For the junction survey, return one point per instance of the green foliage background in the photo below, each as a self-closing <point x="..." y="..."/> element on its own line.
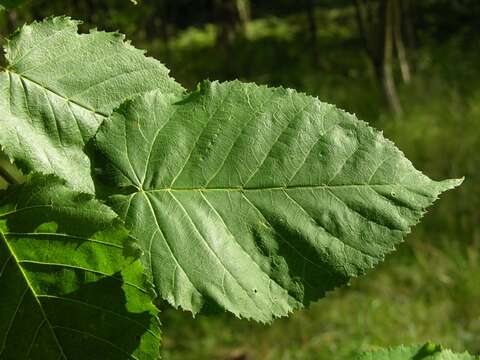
<point x="430" y="289"/>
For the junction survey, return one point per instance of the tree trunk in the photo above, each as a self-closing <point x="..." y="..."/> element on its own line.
<point x="362" y="25"/>
<point x="399" y="43"/>
<point x="408" y="22"/>
<point x="157" y="24"/>
<point x="12" y="22"/>
<point x="243" y="10"/>
<point x="7" y="177"/>
<point x="165" y="34"/>
<point x="228" y="21"/>
<point x="378" y="36"/>
<point x="312" y="29"/>
<point x="388" y="79"/>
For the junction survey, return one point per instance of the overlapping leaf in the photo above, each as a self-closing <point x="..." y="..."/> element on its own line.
<point x="428" y="351"/>
<point x="59" y="86"/>
<point x="259" y="200"/>
<point x="70" y="284"/>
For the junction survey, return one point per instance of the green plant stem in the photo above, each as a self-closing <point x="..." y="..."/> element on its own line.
<point x="9" y="178"/>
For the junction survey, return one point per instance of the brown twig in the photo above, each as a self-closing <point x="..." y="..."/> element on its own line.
<point x="9" y="178"/>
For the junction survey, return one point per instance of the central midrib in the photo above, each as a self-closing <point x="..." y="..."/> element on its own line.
<point x="269" y="188"/>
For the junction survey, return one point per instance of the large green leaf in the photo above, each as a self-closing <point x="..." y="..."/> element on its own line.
<point x="428" y="351"/>
<point x="59" y="86"/>
<point x="71" y="287"/>
<point x="259" y="200"/>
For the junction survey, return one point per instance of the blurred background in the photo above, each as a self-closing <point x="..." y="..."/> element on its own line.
<point x="409" y="68"/>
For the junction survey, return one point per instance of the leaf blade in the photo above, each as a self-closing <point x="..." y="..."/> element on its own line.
<point x="259" y="200"/>
<point x="60" y="85"/>
<point x="70" y="292"/>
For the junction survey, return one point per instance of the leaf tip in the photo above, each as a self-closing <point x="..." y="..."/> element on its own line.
<point x="449" y="184"/>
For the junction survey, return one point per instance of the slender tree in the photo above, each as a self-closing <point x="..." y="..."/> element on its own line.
<point x="399" y="40"/>
<point x="230" y="18"/>
<point x="244" y="13"/>
<point x="387" y="11"/>
<point x="312" y="29"/>
<point x="380" y="27"/>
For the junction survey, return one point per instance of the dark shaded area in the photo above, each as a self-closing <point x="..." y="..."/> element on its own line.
<point x="44" y="200"/>
<point x="88" y="320"/>
<point x="426" y="351"/>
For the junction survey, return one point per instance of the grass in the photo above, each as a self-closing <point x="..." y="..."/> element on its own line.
<point x="424" y="292"/>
